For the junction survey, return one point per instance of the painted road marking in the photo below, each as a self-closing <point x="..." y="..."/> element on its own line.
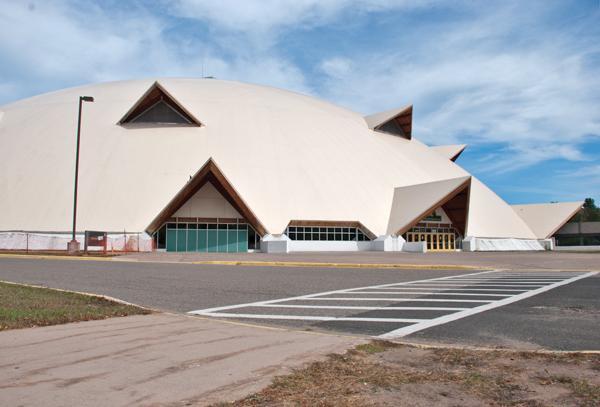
<point x="316" y="318"/>
<point x="398" y="333"/>
<point x="429" y="293"/>
<point x="391" y="290"/>
<point x="312" y="296"/>
<point x="360" y="307"/>
<point x="491" y="288"/>
<point x="387" y="299"/>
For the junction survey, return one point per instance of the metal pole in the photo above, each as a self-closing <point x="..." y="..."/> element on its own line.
<point x="76" y="168"/>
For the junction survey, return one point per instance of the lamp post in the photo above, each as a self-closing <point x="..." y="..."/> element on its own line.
<point x="73" y="246"/>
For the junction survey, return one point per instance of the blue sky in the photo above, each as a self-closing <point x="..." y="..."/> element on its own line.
<point x="519" y="81"/>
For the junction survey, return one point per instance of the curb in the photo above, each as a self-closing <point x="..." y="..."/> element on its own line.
<point x="255" y="263"/>
<point x="100" y="296"/>
<point x="340" y="265"/>
<point x="424" y="346"/>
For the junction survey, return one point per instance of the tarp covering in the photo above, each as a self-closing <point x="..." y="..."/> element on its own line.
<point x="130" y="242"/>
<point x="496" y="245"/>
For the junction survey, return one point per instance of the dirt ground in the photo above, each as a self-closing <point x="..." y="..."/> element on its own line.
<point x="386" y="374"/>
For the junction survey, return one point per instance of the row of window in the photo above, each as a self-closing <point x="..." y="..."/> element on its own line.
<point x="161" y="235"/>
<point x="432" y="230"/>
<point x="221" y="226"/>
<point x="326" y="233"/>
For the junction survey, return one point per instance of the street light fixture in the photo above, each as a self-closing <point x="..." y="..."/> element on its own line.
<point x="73" y="246"/>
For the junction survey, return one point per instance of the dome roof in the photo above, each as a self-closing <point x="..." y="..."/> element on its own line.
<point x="289" y="156"/>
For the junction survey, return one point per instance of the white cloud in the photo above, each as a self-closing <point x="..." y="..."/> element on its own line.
<point x="51" y="45"/>
<point x="261" y="16"/>
<point x="336" y="67"/>
<point x="469" y="83"/>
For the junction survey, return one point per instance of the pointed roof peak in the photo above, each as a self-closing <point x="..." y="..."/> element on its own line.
<point x="158" y="107"/>
<point x="451" y="151"/>
<point x="395" y="121"/>
<point x="208" y="172"/>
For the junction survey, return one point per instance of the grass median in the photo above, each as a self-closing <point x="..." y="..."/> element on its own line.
<point x="24" y="306"/>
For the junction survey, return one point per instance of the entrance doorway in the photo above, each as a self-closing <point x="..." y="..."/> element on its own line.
<point x="435" y="241"/>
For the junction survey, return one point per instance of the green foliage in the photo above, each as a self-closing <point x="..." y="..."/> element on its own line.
<point x="589" y="213"/>
<point x="589" y="203"/>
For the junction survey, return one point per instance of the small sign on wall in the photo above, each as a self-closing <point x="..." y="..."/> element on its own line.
<point x="95" y="239"/>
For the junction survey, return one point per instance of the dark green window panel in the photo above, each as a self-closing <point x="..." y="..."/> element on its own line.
<point x="202" y="240"/>
<point x="232" y="241"/>
<point x="192" y="240"/>
<point x="171" y="236"/>
<point x="181" y="240"/>
<point x="212" y="240"/>
<point x="242" y="244"/>
<point x="222" y="246"/>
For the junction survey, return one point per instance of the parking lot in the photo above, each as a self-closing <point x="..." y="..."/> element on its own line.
<point x="506" y="307"/>
<point x="392" y="311"/>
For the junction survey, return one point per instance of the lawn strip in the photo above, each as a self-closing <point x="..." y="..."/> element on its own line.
<point x="23" y="306"/>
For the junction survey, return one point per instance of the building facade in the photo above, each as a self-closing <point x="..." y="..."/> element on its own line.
<point x="206" y="165"/>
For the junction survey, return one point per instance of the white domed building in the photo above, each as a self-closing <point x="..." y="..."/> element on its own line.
<point x="218" y="166"/>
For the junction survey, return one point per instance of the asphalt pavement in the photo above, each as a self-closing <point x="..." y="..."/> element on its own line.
<point x="564" y="317"/>
<point x="180" y="287"/>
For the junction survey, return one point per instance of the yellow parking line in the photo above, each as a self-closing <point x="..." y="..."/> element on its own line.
<point x="255" y="263"/>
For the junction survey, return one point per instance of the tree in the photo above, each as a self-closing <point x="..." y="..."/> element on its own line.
<point x="589" y="213"/>
<point x="589" y="204"/>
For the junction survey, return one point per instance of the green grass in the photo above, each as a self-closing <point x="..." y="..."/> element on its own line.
<point x="24" y="307"/>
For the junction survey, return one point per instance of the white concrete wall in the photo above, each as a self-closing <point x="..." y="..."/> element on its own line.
<point x="275" y="244"/>
<point x="328" y="246"/>
<point x="415" y="247"/>
<point x="207" y="203"/>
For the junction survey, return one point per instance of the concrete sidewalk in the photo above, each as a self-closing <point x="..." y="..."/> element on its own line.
<point x="149" y="360"/>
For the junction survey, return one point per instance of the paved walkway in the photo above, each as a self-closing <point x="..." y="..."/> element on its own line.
<point x="151" y="359"/>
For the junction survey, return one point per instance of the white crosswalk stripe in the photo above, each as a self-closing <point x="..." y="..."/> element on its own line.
<point x="431" y="302"/>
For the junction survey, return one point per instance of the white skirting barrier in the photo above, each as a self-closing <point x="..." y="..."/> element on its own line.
<point x="479" y="244"/>
<point x="120" y="242"/>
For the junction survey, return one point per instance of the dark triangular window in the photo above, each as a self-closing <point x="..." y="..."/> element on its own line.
<point x="162" y="113"/>
<point x="392" y="127"/>
<point x="157" y="107"/>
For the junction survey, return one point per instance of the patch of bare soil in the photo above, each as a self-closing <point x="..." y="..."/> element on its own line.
<point x="386" y="374"/>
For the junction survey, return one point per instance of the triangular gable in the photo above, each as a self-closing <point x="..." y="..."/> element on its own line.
<point x="396" y="121"/>
<point x="158" y="107"/>
<point x="491" y="217"/>
<point x="545" y="219"/>
<point x="209" y="172"/>
<point x="412" y="203"/>
<point x="452" y="152"/>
